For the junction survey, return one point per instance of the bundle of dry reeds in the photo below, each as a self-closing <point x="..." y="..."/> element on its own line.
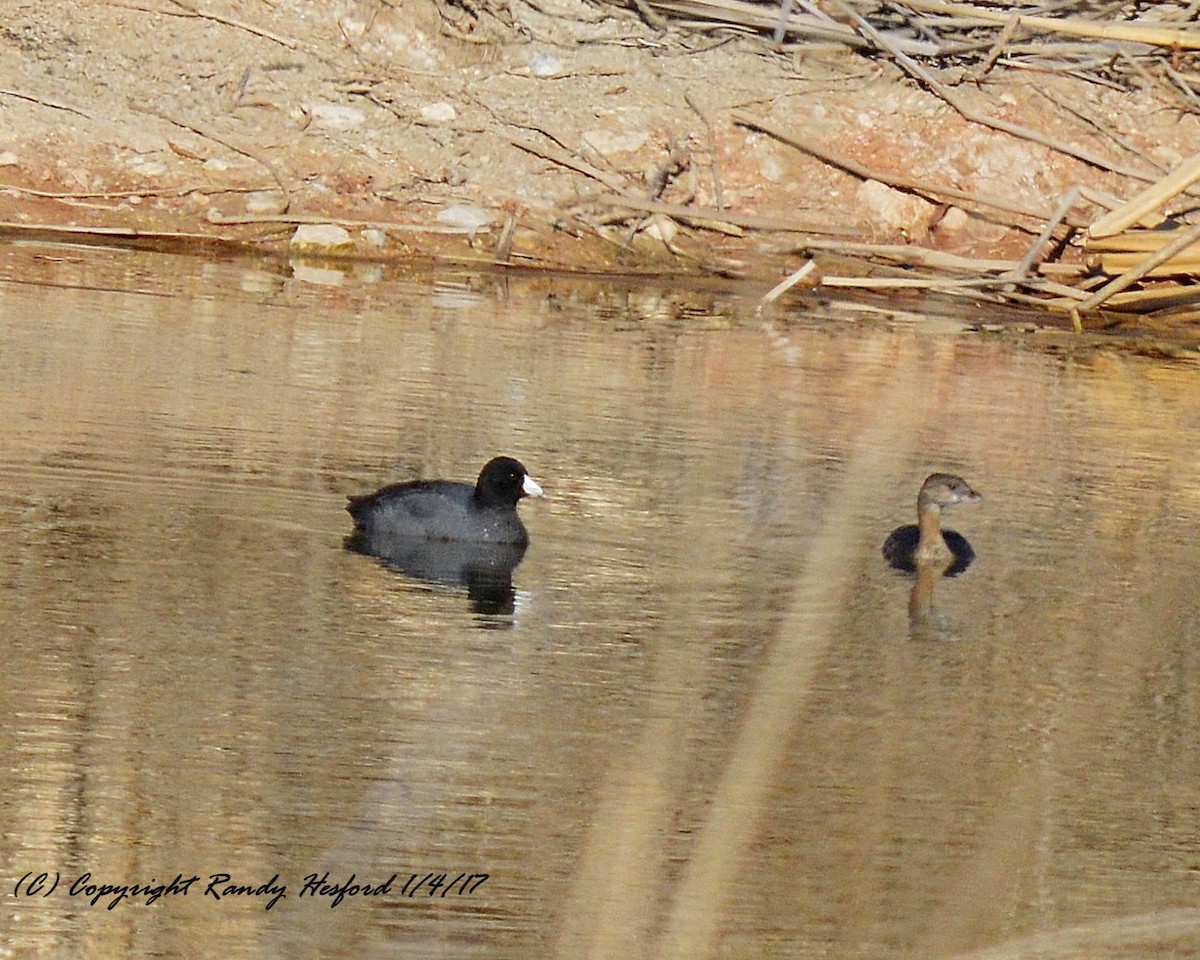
<point x="1046" y="35"/>
<point x="1129" y="262"/>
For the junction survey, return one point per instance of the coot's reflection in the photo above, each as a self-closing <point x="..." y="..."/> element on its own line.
<point x="485" y="569"/>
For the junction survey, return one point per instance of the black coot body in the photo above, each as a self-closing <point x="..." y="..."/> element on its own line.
<point x="445" y="510"/>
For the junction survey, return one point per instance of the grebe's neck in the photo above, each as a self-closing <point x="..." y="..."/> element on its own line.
<point x="931" y="546"/>
<point x="929" y="522"/>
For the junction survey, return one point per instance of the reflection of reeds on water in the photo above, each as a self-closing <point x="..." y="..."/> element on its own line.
<point x="1153" y="934"/>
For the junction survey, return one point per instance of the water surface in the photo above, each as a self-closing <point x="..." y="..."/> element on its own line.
<point x="704" y="725"/>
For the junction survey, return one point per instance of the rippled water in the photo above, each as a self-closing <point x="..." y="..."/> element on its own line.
<point x="701" y="723"/>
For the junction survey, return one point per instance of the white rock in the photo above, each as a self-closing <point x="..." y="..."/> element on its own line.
<point x="440" y="112"/>
<point x="9" y="159"/>
<point x="265" y="201"/>
<point x="662" y="229"/>
<point x="956" y="220"/>
<point x="891" y="210"/>
<point x="374" y="238"/>
<point x="464" y="216"/>
<point x="545" y="65"/>
<point x="324" y="238"/>
<point x="771" y="168"/>
<point x="335" y="116"/>
<point x="606" y="143"/>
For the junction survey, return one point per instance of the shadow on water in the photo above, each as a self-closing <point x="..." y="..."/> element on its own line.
<point x="483" y="569"/>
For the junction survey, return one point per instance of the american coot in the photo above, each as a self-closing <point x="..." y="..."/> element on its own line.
<point x="926" y="543"/>
<point x="450" y="511"/>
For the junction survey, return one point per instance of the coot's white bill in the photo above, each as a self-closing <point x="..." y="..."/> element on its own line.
<point x="531" y="487"/>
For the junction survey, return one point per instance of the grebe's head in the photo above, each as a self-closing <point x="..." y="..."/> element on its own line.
<point x="945" y="490"/>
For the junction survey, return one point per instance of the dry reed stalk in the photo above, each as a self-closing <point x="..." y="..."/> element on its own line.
<point x="563" y="158"/>
<point x="897" y="283"/>
<point x="1058" y="289"/>
<point x="1135" y="241"/>
<point x="1072" y="26"/>
<point x="296" y="219"/>
<point x="760" y="17"/>
<point x="786" y="284"/>
<point x="100" y="234"/>
<point x="1157" y="195"/>
<point x="915" y="256"/>
<point x="1059" y="215"/>
<point x="1146" y="301"/>
<point x="1186" y="264"/>
<point x="1109" y="202"/>
<point x="1183" y="239"/>
<point x="701" y="216"/>
<point x="1032" y="291"/>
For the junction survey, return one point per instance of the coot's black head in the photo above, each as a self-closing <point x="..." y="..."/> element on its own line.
<point x="503" y="481"/>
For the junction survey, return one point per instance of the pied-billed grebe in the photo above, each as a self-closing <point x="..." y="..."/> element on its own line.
<point x="926" y="543"/>
<point x="450" y="511"/>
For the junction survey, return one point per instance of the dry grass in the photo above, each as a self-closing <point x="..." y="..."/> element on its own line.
<point x="1091" y="257"/>
<point x="1109" y="44"/>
